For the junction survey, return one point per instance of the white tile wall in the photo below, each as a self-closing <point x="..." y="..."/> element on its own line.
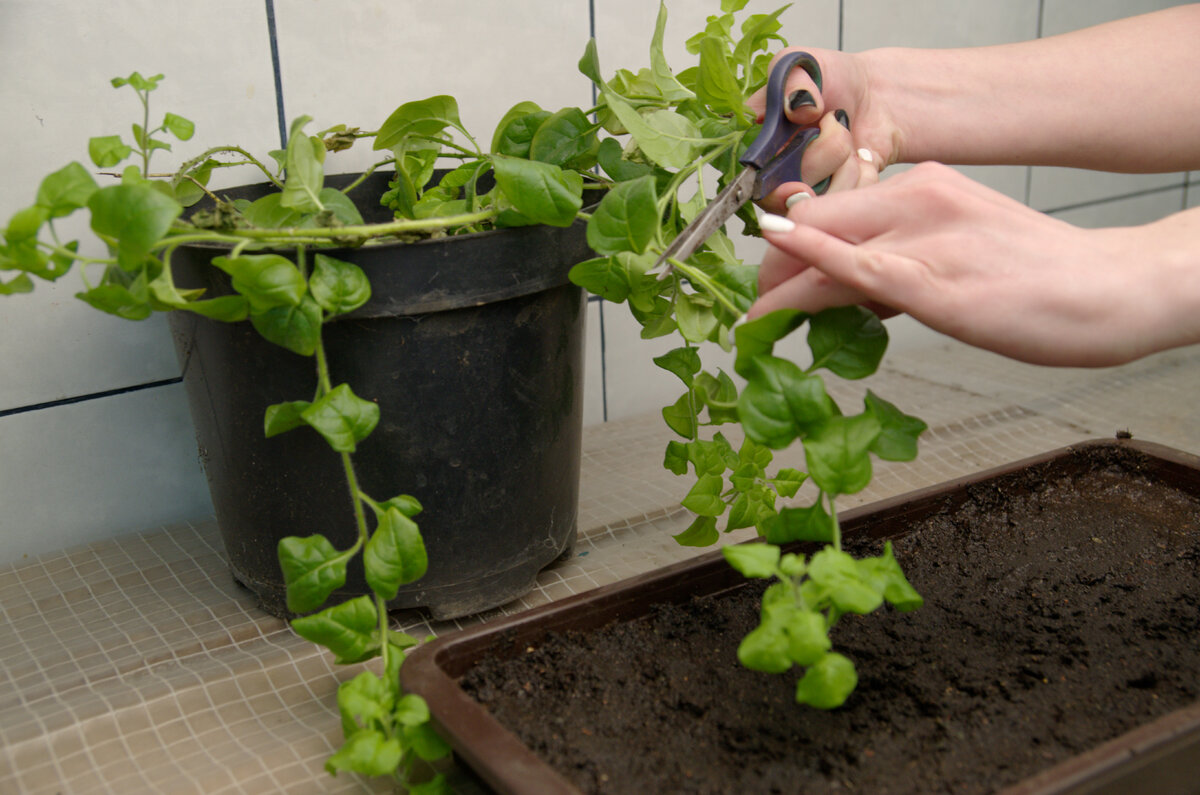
<point x="71" y="473"/>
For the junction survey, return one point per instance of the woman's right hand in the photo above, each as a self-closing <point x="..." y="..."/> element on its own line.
<point x="852" y="157"/>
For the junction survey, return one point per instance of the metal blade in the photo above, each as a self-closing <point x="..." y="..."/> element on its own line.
<point x="710" y="219"/>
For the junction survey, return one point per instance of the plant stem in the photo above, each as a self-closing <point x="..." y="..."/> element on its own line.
<point x="701" y="280"/>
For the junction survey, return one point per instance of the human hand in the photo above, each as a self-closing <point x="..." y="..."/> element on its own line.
<point x="856" y="136"/>
<point x="976" y="265"/>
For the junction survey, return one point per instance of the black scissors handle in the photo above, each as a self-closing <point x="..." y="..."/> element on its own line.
<point x="777" y="151"/>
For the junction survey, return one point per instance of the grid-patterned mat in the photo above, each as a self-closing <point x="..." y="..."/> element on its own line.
<point x="137" y="665"/>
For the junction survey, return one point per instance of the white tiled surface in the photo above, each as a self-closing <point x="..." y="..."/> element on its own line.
<point x="353" y="61"/>
<point x="136" y="665"/>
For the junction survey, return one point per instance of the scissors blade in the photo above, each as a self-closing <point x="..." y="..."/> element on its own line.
<point x="710" y="219"/>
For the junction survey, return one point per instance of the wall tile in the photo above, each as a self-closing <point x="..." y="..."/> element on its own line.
<point x="355" y="63"/>
<point x="57" y="62"/>
<point x="96" y="469"/>
<point x="1009" y="180"/>
<point x="1126" y="212"/>
<point x="1052" y="188"/>
<point x="1061" y="16"/>
<point x="937" y="23"/>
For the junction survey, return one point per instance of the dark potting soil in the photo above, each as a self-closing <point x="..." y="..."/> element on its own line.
<point x="1059" y="614"/>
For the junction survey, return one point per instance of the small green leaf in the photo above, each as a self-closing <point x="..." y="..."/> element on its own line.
<point x="283" y="417"/>
<point x="807" y="636"/>
<point x="411" y="710"/>
<point x="704" y="498"/>
<point x="404" y="503"/>
<point x="758" y="337"/>
<point x="367" y="752"/>
<point x="626" y="218"/>
<point x="683" y="362"/>
<point x="838" y="453"/>
<point x="181" y="128"/>
<point x="886" y="576"/>
<point x="589" y="64"/>
<point x="542" y="192"/>
<point x="66" y="190"/>
<point x="611" y="158"/>
<point x="675" y="459"/>
<point x="520" y="110"/>
<point x="138" y="216"/>
<point x="666" y="137"/>
<point x="827" y="683"/>
<point x="602" y="276"/>
<point x="312" y="570"/>
<point x="780" y="402"/>
<point x="812" y="523"/>
<point x="305" y="170"/>
<point x="897" y="441"/>
<point x="788" y="481"/>
<point x="116" y="299"/>
<point x="758" y="561"/>
<point x="394" y="555"/>
<point x="364" y="702"/>
<point x="338" y="286"/>
<point x="717" y="85"/>
<point x="700" y="533"/>
<point x="297" y="328"/>
<point x="20" y="284"/>
<point x="349" y="630"/>
<point x="108" y="150"/>
<point x="421" y="119"/>
<point x="679" y="417"/>
<point x="839" y="574"/>
<point x="567" y="139"/>
<point x="765" y="648"/>
<point x="694" y="314"/>
<point x="664" y="78"/>
<point x="343" y="418"/>
<point x="267" y="280"/>
<point x="847" y="340"/>
<point x="425" y="742"/>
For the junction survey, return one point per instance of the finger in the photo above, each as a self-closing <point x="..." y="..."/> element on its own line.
<point x="832" y="148"/>
<point x="782" y="198"/>
<point x="776" y="268"/>
<point x="809" y="291"/>
<point x="802" y="97"/>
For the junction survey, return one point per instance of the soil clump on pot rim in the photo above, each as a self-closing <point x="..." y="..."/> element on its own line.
<point x="1059" y="613"/>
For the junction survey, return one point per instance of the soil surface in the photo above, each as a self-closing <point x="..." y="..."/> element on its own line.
<point x="1059" y="614"/>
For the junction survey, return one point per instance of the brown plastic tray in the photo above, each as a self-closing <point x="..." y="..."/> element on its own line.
<point x="1162" y="757"/>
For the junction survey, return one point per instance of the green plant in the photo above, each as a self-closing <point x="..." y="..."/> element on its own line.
<point x="685" y="133"/>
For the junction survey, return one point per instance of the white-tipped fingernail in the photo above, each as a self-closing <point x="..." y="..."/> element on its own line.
<point x="775" y="223"/>
<point x="865" y="155"/>
<point x="741" y="321"/>
<point x="796" y="198"/>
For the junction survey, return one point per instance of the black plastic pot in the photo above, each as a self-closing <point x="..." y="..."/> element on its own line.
<point x="473" y="348"/>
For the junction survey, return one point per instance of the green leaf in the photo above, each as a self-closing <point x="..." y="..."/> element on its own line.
<point x="225" y="308"/>
<point x="626" y="218"/>
<point x="338" y="286"/>
<point x="611" y="158"/>
<point x="181" y="128"/>
<point x="283" y="417"/>
<point x="66" y="190"/>
<point x="839" y="574"/>
<point x="758" y="336"/>
<point x="21" y="236"/>
<point x="758" y="561"/>
<point x="788" y="481"/>
<point x="567" y="139"/>
<point x="116" y="299"/>
<point x="897" y="440"/>
<point x="267" y="280"/>
<point x="812" y="523"/>
<point x="847" y="340"/>
<point x="885" y="575"/>
<point x="675" y="460"/>
<point x="827" y="683"/>
<point x="540" y="191"/>
<point x="21" y="284"/>
<point x="700" y="533"/>
<point x="765" y="648"/>
<point x="589" y="64"/>
<point x="312" y="570"/>
<point x="341" y="205"/>
<point x="138" y="216"/>
<point x="780" y="402"/>
<point x="425" y="742"/>
<point x="717" y="85"/>
<point x="422" y="119"/>
<point x="305" y="170"/>
<point x="683" y="362"/>
<point x="837" y="453"/>
<point x="694" y="314"/>
<point x="719" y="395"/>
<point x="704" y="498"/>
<point x="349" y="630"/>
<point x="516" y="138"/>
<point x="297" y="328"/>
<point x="679" y="417"/>
<point x="666" y="137"/>
<point x="269" y="213"/>
<point x="364" y="702"/>
<point x="394" y="555"/>
<point x="807" y="637"/>
<point x="664" y="78"/>
<point x="108" y="150"/>
<point x="603" y="276"/>
<point x="404" y="503"/>
<point x="368" y="752"/>
<point x="343" y="418"/>
<point x="520" y="110"/>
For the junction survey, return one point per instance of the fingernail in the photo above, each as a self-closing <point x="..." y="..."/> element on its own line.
<point x="843" y="118"/>
<point x="866" y="156"/>
<point x="775" y="223"/>
<point x="741" y="321"/>
<point x="796" y="198"/>
<point x="801" y="98"/>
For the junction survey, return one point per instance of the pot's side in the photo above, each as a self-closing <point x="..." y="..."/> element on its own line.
<point x="1170" y="746"/>
<point x="481" y="403"/>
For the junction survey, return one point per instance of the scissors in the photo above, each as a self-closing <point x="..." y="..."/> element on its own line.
<point x="773" y="159"/>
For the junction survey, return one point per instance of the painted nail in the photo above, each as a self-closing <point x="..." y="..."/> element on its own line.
<point x="775" y="223"/>
<point x="741" y="321"/>
<point x="843" y="118"/>
<point x="866" y="156"/>
<point x="801" y="98"/>
<point x="796" y="198"/>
